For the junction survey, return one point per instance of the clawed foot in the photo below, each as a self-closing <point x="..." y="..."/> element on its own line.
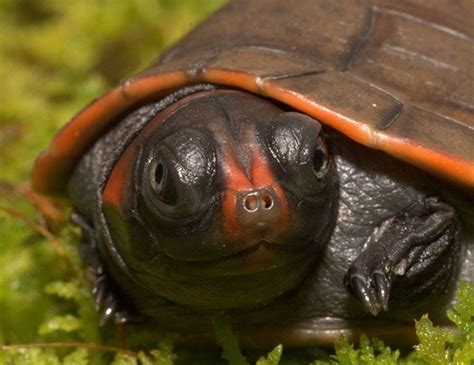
<point x="107" y="301"/>
<point x="394" y="249"/>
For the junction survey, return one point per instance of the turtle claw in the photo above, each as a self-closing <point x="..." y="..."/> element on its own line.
<point x="364" y="293"/>
<point x="109" y="306"/>
<point x="372" y="289"/>
<point x="99" y="292"/>
<point x="108" y="309"/>
<point x="382" y="288"/>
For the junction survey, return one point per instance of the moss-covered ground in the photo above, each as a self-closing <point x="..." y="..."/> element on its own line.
<point x="55" y="56"/>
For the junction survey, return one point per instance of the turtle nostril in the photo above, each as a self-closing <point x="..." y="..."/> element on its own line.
<point x="254" y="202"/>
<point x="258" y="211"/>
<point x="267" y="201"/>
<point x="251" y="203"/>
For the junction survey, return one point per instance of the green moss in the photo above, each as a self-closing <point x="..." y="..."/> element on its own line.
<point x="273" y="358"/>
<point x="56" y="56"/>
<point x="77" y="357"/>
<point x="439" y="346"/>
<point x="229" y="343"/>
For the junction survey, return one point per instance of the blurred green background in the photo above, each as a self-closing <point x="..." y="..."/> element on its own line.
<point x="55" y="56"/>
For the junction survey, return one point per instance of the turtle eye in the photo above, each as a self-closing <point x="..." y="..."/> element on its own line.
<point x="159" y="175"/>
<point x="162" y="184"/>
<point x="176" y="174"/>
<point x="320" y="159"/>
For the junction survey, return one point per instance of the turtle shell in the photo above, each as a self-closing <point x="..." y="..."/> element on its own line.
<point x="396" y="76"/>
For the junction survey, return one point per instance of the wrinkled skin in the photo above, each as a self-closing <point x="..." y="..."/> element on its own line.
<point x="222" y="200"/>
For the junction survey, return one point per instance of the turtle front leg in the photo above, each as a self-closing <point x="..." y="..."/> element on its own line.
<point x="403" y="247"/>
<point x="107" y="300"/>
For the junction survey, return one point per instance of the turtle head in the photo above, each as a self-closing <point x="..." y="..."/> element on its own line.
<point x="220" y="194"/>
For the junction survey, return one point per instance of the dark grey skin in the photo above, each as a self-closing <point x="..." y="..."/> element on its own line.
<point x="398" y="244"/>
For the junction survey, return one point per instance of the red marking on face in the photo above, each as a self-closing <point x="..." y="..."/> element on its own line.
<point x="236" y="181"/>
<point x="118" y="180"/>
<point x="113" y="195"/>
<point x="261" y="176"/>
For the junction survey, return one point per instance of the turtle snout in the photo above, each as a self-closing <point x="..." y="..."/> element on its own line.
<point x="258" y="209"/>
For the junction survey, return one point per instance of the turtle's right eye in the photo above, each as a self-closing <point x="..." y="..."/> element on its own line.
<point x="297" y="145"/>
<point x="162" y="184"/>
<point x="320" y="159"/>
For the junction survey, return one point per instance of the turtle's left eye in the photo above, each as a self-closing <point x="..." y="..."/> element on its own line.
<point x="320" y="159"/>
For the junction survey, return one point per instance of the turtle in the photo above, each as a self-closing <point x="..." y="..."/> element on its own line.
<point x="306" y="167"/>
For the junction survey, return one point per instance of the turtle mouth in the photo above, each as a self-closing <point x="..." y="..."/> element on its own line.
<point x="251" y="277"/>
<point x="256" y="257"/>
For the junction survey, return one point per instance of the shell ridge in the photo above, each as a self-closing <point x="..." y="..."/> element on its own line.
<point x="425" y="22"/>
<point x="363" y="38"/>
<point x="456" y="121"/>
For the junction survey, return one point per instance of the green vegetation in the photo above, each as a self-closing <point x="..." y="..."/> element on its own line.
<point x="56" y="56"/>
